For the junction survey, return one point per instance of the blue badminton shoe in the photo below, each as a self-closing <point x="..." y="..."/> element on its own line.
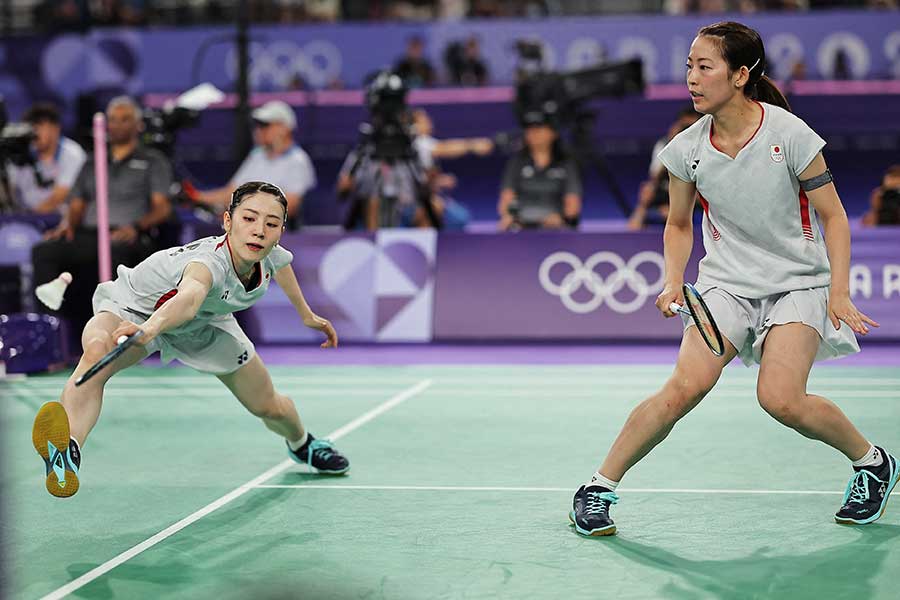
<point x="62" y="457"/>
<point x="867" y="492"/>
<point x="321" y="456"/>
<point x="590" y="510"/>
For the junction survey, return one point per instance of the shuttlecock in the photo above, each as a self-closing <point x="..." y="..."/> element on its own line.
<point x="51" y="293"/>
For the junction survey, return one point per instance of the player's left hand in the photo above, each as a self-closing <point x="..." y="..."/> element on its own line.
<point x="325" y="326"/>
<point x="841" y="308"/>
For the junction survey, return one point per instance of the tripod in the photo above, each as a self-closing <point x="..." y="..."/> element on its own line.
<point x="585" y="154"/>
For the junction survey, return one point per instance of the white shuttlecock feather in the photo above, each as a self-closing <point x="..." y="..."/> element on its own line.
<point x="51" y="293"/>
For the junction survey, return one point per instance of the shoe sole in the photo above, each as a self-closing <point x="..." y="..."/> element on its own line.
<point x="884" y="502"/>
<point x="611" y="530"/>
<point x="51" y="424"/>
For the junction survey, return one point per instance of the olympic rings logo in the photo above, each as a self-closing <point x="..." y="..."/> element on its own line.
<point x="279" y="63"/>
<point x="584" y="275"/>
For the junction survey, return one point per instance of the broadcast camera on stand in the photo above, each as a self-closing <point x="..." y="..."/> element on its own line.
<point x="561" y="98"/>
<point x="385" y="167"/>
<point x="15" y="149"/>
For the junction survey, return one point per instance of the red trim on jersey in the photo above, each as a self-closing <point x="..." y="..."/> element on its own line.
<point x="222" y="243"/>
<point x="257" y="269"/>
<point x="715" y="232"/>
<point x="165" y="298"/>
<point x="804" y="217"/>
<point x="761" y="117"/>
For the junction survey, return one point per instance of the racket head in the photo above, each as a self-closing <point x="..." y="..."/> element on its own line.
<point x="110" y="356"/>
<point x="706" y="325"/>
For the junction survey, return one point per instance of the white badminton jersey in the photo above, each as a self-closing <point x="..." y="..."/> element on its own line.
<point x="759" y="230"/>
<point x="155" y="280"/>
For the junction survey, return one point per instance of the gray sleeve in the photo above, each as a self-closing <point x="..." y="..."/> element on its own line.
<point x="82" y="188"/>
<point x="510" y="174"/>
<point x="675" y="157"/>
<point x="71" y="160"/>
<point x="802" y="145"/>
<point x="160" y="175"/>
<point x="573" y="178"/>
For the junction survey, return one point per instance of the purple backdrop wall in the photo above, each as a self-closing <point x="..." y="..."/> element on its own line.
<point x="403" y="285"/>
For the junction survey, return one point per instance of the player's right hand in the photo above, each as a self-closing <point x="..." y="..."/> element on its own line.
<point x="126" y="329"/>
<point x="671" y="293"/>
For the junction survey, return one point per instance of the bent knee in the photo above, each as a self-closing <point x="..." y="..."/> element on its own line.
<point x="687" y="391"/>
<point x="777" y="402"/>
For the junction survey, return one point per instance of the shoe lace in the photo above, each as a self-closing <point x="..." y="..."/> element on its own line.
<point x="858" y="487"/>
<point x="598" y="502"/>
<point x="322" y="448"/>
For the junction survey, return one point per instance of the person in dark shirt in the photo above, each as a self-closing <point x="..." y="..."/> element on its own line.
<point x="414" y="68"/>
<point x="541" y="186"/>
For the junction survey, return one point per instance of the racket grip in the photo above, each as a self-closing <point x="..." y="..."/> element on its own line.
<point x="676" y="308"/>
<point x="121" y="339"/>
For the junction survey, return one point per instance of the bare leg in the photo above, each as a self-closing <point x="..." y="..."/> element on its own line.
<point x="252" y="385"/>
<point x="83" y="403"/>
<point x="696" y="372"/>
<point x="787" y="357"/>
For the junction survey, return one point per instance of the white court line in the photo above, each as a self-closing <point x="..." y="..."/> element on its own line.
<point x="456" y="488"/>
<point x="232" y="495"/>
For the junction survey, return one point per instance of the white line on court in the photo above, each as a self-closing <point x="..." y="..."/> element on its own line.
<point x="456" y="488"/>
<point x="236" y="493"/>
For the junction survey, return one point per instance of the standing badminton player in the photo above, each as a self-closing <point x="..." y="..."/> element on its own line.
<point x="776" y="287"/>
<point x="182" y="300"/>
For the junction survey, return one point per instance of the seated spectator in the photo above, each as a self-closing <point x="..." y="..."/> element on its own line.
<point x="541" y="184"/>
<point x="413" y="67"/>
<point x="464" y="63"/>
<point x="276" y="158"/>
<point x="653" y="194"/>
<point x="42" y="187"/>
<point x="885" y="200"/>
<point x="138" y="185"/>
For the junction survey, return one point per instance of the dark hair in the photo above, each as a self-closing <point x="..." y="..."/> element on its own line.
<point x="40" y="112"/>
<point x="742" y="46"/>
<point x="253" y="187"/>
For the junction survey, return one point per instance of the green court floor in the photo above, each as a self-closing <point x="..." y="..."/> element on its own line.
<point x="460" y="484"/>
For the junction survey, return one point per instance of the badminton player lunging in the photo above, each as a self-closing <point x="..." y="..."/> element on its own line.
<point x="182" y="300"/>
<point x="777" y="289"/>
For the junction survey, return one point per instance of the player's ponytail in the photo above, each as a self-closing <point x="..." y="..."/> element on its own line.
<point x="765" y="90"/>
<point x="742" y="46"/>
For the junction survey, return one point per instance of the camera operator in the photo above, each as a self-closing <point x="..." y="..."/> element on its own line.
<point x="885" y="200"/>
<point x="42" y="185"/>
<point x="383" y="176"/>
<point x="541" y="186"/>
<point x="276" y="159"/>
<point x="138" y="186"/>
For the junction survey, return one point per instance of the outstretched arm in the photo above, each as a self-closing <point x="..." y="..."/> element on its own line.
<point x="196" y="282"/>
<point x="837" y="240"/>
<point x="287" y="281"/>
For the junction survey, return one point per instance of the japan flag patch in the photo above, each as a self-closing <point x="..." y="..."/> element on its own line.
<point x="777" y="153"/>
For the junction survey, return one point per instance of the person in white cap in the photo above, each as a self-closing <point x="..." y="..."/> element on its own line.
<point x="276" y="159"/>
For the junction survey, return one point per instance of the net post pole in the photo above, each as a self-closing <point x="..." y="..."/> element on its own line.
<point x="102" y="198"/>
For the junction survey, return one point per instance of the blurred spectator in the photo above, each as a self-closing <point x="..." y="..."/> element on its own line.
<point x="541" y="185"/>
<point x="653" y="194"/>
<point x="464" y="63"/>
<point x="429" y="151"/>
<point x="276" y="159"/>
<point x="413" y="67"/>
<point x="138" y="184"/>
<point x="885" y="200"/>
<point x="42" y="187"/>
